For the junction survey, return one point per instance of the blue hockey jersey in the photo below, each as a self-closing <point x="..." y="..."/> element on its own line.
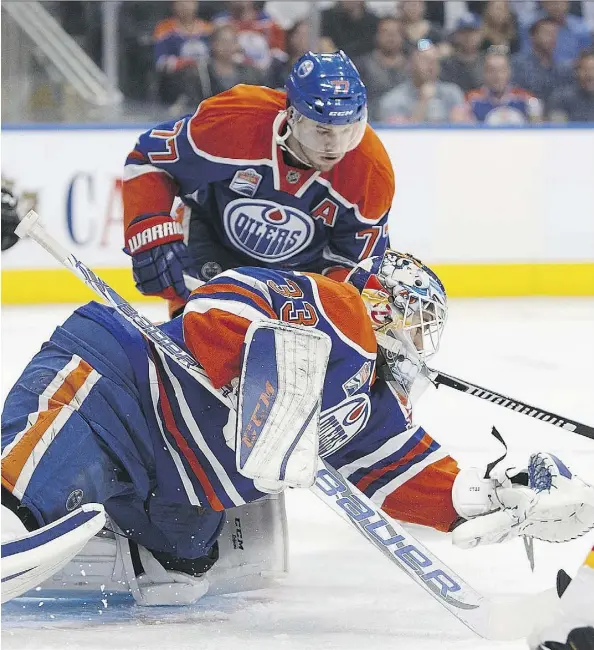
<point x="248" y="207"/>
<point x="169" y="440"/>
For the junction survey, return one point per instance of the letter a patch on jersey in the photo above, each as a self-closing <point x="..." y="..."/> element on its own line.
<point x="246" y="182"/>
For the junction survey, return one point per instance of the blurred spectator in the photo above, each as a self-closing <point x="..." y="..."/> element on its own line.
<point x="424" y="98"/>
<point x="498" y="102"/>
<point x="500" y="26"/>
<point x="464" y="66"/>
<point x="575" y="103"/>
<point x="180" y="47"/>
<point x="136" y="21"/>
<point x="261" y="39"/>
<point x="385" y="67"/>
<point x="572" y="34"/>
<point x="224" y="71"/>
<point x="297" y="40"/>
<point x="350" y="27"/>
<point x="416" y="27"/>
<point x="536" y="69"/>
<point x="286" y="13"/>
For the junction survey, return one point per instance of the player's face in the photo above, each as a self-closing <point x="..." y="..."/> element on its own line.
<point x="324" y="145"/>
<point x="497" y="73"/>
<point x="585" y="73"/>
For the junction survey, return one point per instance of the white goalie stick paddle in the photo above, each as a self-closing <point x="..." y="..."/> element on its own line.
<point x="501" y="619"/>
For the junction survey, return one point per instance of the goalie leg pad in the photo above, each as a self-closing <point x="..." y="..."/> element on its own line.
<point x="253" y="553"/>
<point x="279" y="400"/>
<point x="35" y="556"/>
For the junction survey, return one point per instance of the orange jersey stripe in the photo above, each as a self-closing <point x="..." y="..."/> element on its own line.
<point x="344" y="307"/>
<point x="148" y="194"/>
<point x="365" y="177"/>
<point x="423" y="444"/>
<point x="15" y="460"/>
<point x="189" y="455"/>
<point x="171" y="26"/>
<point x="237" y="123"/>
<point x="234" y="289"/>
<point x="215" y="339"/>
<point x="426" y="499"/>
<point x="337" y="273"/>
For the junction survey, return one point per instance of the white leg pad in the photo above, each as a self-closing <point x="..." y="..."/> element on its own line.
<point x="253" y="552"/>
<point x="35" y="556"/>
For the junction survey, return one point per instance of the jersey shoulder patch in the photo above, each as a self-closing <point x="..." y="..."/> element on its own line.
<point x="236" y="124"/>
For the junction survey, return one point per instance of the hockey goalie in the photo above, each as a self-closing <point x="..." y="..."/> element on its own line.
<point x="168" y="488"/>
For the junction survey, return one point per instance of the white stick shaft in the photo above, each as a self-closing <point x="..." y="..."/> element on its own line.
<point x="31" y="227"/>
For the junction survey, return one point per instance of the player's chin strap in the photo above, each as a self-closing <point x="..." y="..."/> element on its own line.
<point x="281" y="140"/>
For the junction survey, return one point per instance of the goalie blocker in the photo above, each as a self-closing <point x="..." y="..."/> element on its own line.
<point x="279" y="399"/>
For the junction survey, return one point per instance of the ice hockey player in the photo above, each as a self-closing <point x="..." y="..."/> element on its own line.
<point x="297" y="364"/>
<point x="573" y="627"/>
<point x="10" y="219"/>
<point x="293" y="180"/>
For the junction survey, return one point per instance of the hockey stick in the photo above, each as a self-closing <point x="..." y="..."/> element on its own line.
<point x="489" y="618"/>
<point x="442" y="379"/>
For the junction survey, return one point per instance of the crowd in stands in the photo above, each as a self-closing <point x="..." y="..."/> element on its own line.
<point x="491" y="61"/>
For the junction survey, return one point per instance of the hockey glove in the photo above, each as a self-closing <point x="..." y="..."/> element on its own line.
<point x="545" y="501"/>
<point x="10" y="219"/>
<point x="159" y="256"/>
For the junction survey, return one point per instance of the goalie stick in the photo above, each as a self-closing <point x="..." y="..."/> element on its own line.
<point x="501" y="619"/>
<point x="439" y="378"/>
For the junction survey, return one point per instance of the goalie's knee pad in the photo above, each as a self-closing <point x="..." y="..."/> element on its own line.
<point x="545" y="501"/>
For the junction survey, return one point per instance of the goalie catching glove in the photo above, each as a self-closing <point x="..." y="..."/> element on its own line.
<point x="545" y="501"/>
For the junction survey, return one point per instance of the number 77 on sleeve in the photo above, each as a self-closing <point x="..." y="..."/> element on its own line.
<point x="371" y="235"/>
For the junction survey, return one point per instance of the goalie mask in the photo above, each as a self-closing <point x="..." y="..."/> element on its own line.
<point x="407" y="305"/>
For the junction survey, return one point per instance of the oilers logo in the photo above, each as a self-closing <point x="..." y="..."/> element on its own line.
<point x="266" y="230"/>
<point x="341" y="423"/>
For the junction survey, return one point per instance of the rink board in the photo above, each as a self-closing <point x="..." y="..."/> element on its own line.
<point x="497" y="212"/>
<point x="38" y="286"/>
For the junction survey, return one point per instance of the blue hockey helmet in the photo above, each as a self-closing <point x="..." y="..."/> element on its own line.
<point x="327" y="88"/>
<point x="326" y="109"/>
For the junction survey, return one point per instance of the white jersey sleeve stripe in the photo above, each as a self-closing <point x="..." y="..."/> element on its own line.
<point x="203" y="304"/>
<point x="390" y="447"/>
<point x="194" y="429"/>
<point x="53" y="430"/>
<point x="380" y="495"/>
<point x="185" y="479"/>
<point x="132" y="171"/>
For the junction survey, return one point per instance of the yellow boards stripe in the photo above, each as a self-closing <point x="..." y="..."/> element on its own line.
<point x="60" y="285"/>
<point x="461" y="281"/>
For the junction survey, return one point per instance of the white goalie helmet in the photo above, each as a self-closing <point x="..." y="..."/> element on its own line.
<point x="407" y="305"/>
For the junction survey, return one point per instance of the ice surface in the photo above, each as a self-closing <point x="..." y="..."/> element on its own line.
<point x="341" y="594"/>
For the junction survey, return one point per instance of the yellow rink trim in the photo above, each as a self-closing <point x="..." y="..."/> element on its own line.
<point x="461" y="281"/>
